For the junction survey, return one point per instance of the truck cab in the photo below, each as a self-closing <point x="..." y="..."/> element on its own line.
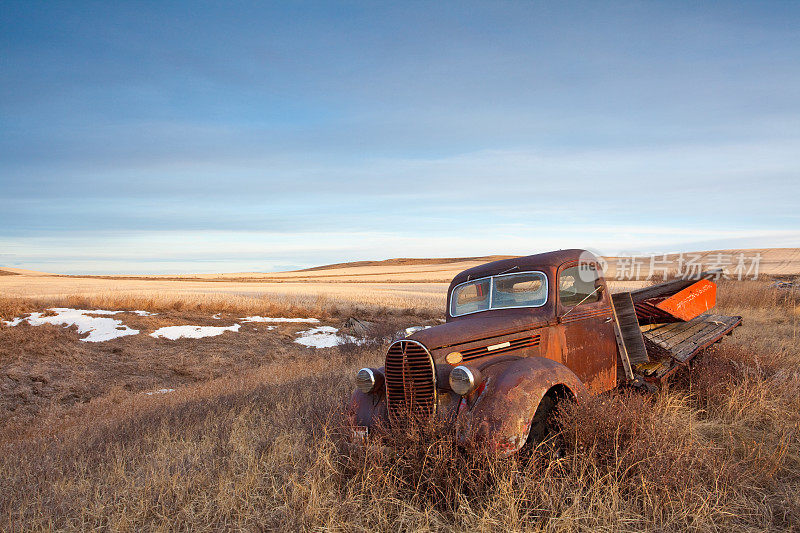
<point x="520" y="335"/>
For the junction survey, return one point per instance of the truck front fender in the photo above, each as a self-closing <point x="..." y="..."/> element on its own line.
<point x="501" y="413"/>
<point x="368" y="410"/>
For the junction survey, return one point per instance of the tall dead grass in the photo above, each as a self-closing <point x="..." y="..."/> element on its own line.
<point x="755" y="294"/>
<point x="718" y="451"/>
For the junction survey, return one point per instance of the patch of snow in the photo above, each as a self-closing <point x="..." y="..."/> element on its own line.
<point x="324" y="337"/>
<point x="218" y="316"/>
<point x="101" y="311"/>
<point x="192" y="332"/>
<point x="99" y="329"/>
<point x="268" y="319"/>
<point x="85" y="311"/>
<point x="159" y="391"/>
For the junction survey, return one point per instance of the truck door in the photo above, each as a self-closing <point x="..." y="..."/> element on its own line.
<point x="585" y="314"/>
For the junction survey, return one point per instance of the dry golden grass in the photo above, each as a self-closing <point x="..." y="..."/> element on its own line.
<point x="771" y="262"/>
<point x="318" y="306"/>
<point x="394" y="284"/>
<point x="244" y="296"/>
<point x="265" y="450"/>
<point x="755" y="294"/>
<point x="258" y="443"/>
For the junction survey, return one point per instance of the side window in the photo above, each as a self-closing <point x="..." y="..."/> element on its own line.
<point x="576" y="283"/>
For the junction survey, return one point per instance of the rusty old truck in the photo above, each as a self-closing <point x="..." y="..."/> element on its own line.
<point x="522" y="335"/>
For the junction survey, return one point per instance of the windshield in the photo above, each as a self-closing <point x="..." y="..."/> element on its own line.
<point x="525" y="289"/>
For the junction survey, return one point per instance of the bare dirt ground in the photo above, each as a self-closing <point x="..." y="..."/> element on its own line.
<point x="251" y="438"/>
<point x="49" y="365"/>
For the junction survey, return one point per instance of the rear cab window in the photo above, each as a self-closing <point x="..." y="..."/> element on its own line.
<point x="578" y="285"/>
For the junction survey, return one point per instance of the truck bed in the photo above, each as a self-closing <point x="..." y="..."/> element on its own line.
<point x="672" y="345"/>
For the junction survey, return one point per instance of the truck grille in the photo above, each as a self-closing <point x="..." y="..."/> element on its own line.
<point x="410" y="381"/>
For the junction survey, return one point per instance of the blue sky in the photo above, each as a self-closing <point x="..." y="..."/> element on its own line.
<point x="212" y="137"/>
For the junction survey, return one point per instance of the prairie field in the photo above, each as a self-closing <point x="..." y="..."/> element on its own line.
<point x="244" y="430"/>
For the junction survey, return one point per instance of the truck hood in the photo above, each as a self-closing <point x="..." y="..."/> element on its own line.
<point x="452" y="335"/>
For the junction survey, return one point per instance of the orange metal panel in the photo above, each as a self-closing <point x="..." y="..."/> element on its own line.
<point x="692" y="301"/>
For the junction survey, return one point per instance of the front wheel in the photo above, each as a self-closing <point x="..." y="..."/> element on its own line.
<point x="545" y="436"/>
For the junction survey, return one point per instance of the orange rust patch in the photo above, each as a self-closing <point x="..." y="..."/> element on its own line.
<point x="692" y="301"/>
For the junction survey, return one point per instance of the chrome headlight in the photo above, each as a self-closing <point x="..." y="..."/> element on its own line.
<point x="366" y="380"/>
<point x="463" y="380"/>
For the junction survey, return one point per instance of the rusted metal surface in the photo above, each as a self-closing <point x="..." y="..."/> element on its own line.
<point x="692" y="301"/>
<point x="669" y="288"/>
<point x="500" y="416"/>
<point x="410" y="380"/>
<point x="684" y="298"/>
<point x="367" y="410"/>
<point x="566" y="343"/>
